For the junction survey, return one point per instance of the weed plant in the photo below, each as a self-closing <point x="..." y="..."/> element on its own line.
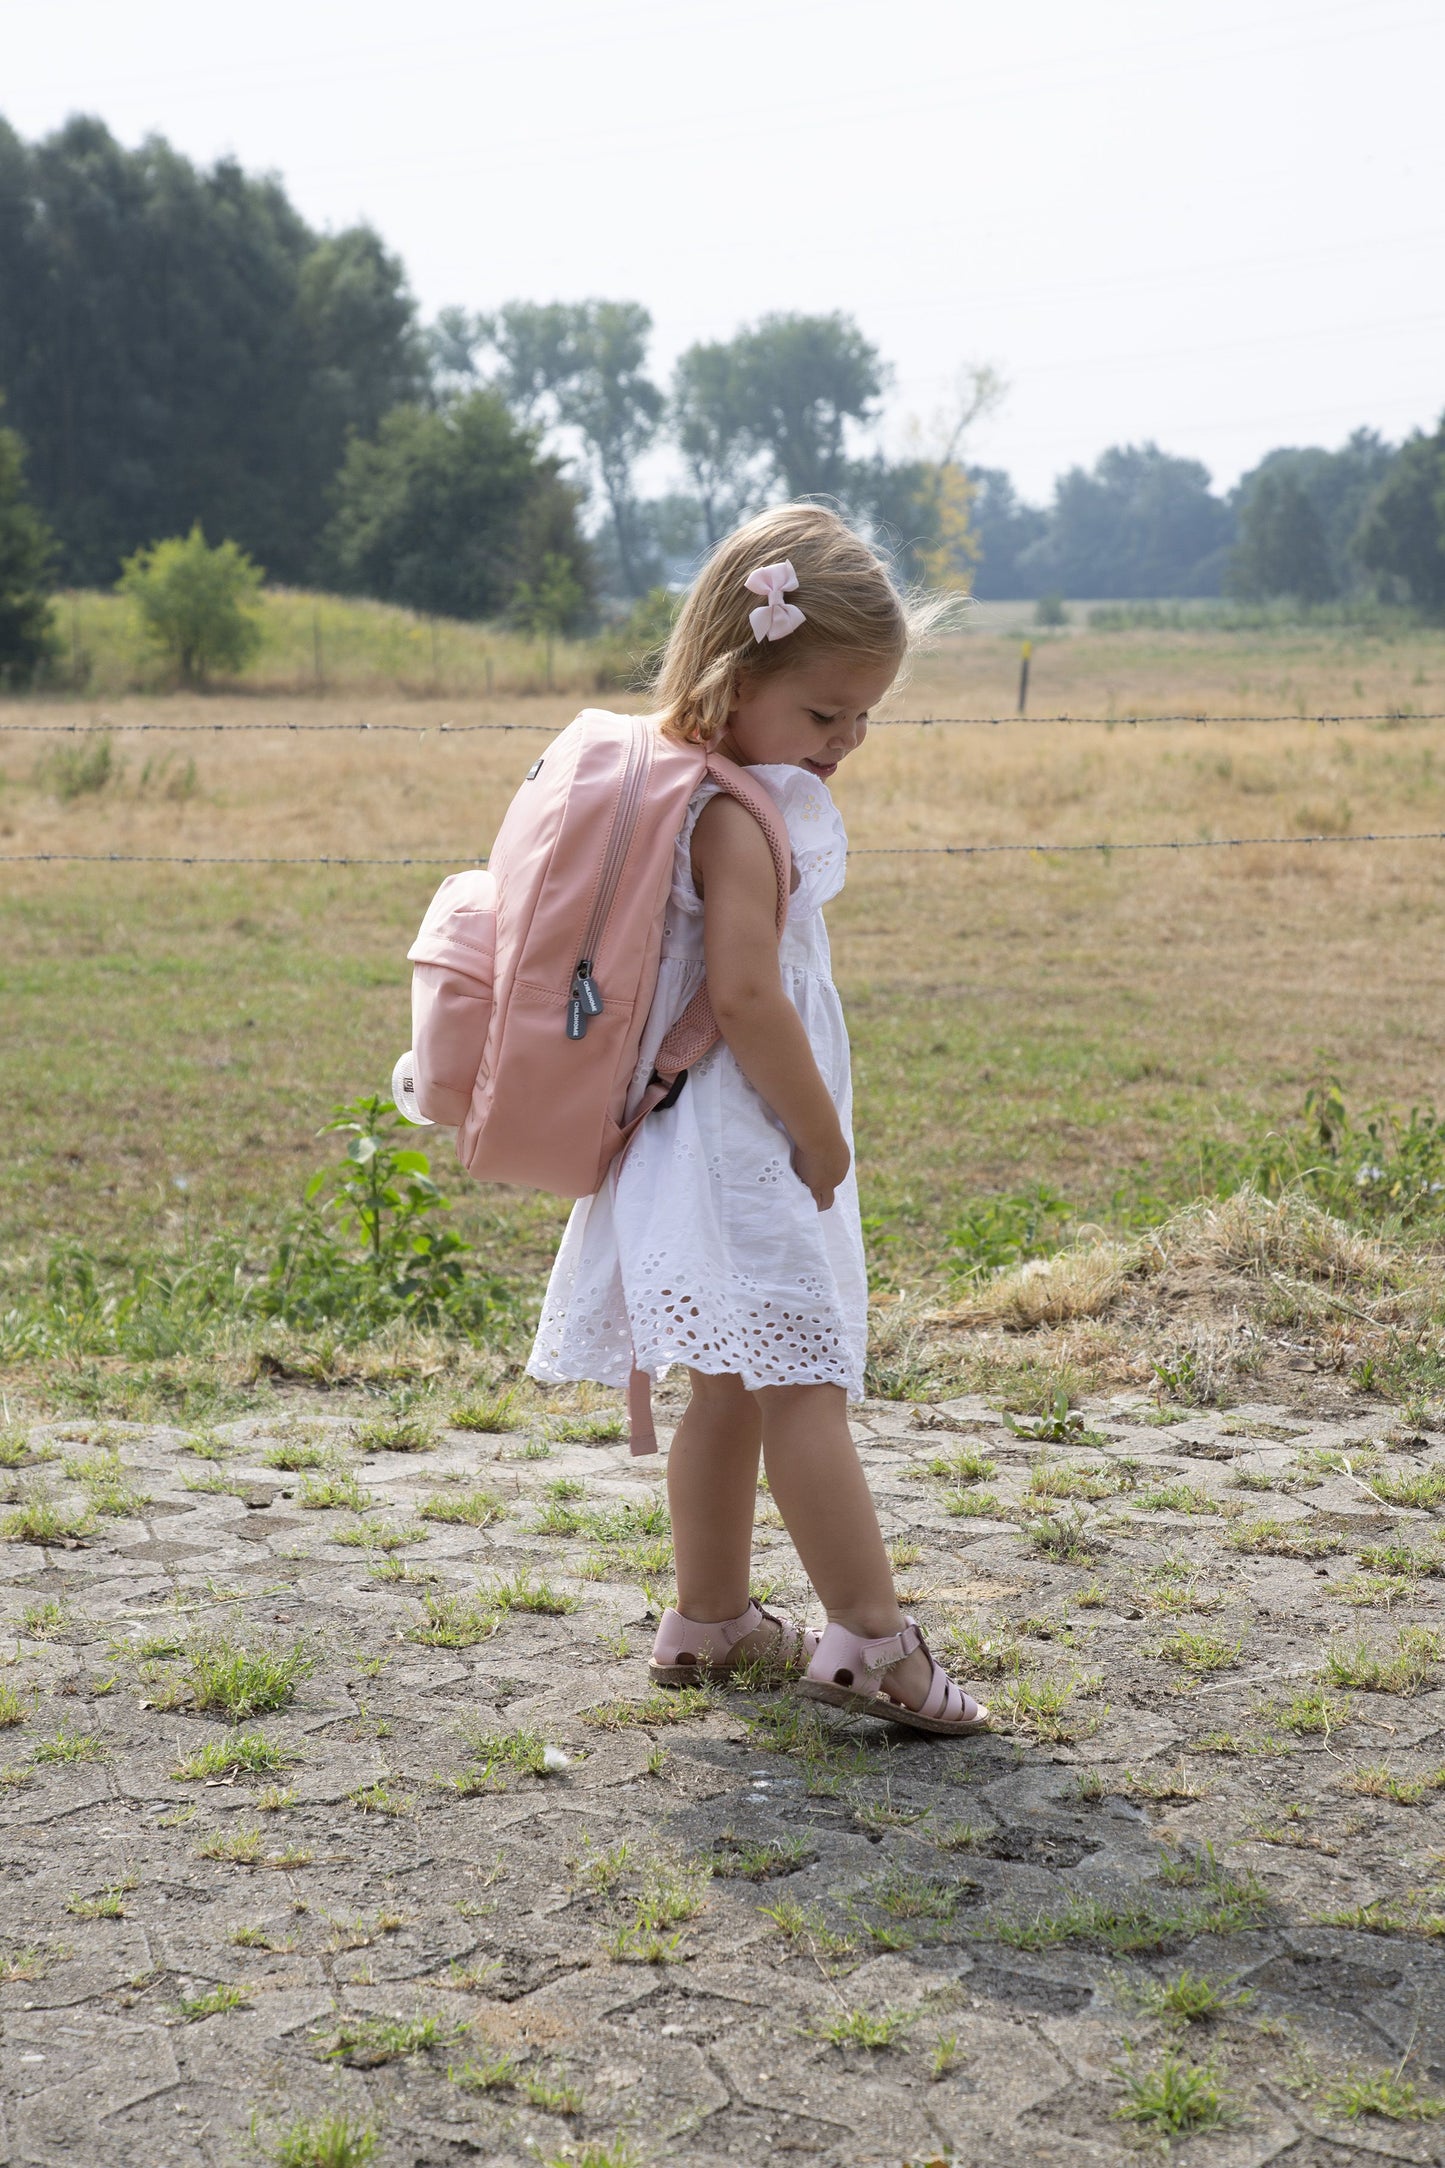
<point x="248" y="1753"/>
<point x="1385" y="2093"/>
<point x="1409" y="1669"/>
<point x="215" y="2002"/>
<point x="334" y="2141"/>
<point x="1175" y="2097"/>
<point x="234" y="1682"/>
<point x="466" y="1509"/>
<point x="364" y="2042"/>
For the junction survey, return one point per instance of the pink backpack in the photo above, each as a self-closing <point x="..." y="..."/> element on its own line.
<point x="534" y="976"/>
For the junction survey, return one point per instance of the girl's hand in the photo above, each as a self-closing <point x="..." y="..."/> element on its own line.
<point x="822" y="1168"/>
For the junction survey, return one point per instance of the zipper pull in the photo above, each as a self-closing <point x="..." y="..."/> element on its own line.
<point x="576" y="1019"/>
<point x="585" y="989"/>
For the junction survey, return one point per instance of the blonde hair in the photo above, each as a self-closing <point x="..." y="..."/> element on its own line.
<point x="848" y="600"/>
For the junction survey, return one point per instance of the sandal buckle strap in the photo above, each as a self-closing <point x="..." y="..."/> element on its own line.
<point x="880" y="1655"/>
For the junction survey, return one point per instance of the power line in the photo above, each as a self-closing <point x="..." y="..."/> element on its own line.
<point x="866" y="850"/>
<point x="888" y="722"/>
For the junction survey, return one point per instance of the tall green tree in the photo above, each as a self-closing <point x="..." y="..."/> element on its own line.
<point x="452" y="509"/>
<point x="583" y="366"/>
<point x="1402" y="536"/>
<point x="1338" y="486"/>
<point x="27" y="630"/>
<point x="1282" y="548"/>
<point x="801" y="380"/>
<point x="709" y="425"/>
<point x="1142" y="522"/>
<point x="177" y="344"/>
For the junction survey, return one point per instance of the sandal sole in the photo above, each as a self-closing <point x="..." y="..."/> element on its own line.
<point x="892" y="1712"/>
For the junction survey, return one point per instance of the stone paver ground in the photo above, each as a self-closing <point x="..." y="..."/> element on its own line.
<point x="731" y="1927"/>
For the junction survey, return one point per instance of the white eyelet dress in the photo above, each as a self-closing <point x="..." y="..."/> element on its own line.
<point x="703" y="1247"/>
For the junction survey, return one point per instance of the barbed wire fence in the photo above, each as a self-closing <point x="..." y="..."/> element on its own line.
<point x="886" y="722"/>
<point x="1103" y="849"/>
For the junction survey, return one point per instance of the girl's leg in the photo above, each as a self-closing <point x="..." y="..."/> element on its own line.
<point x="822" y="1493"/>
<point x="712" y="1487"/>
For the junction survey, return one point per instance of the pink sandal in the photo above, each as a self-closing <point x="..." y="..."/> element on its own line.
<point x="844" y="1670"/>
<point x="687" y="1651"/>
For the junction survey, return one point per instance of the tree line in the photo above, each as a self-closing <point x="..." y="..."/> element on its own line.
<point x="179" y="347"/>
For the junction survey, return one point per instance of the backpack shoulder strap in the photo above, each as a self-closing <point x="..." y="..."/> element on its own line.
<point x="696" y="1029"/>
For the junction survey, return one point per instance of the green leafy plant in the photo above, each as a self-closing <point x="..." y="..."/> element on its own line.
<point x="1174" y="2096"/>
<point x="196" y="605"/>
<point x="997" y="1232"/>
<point x="364" y="1246"/>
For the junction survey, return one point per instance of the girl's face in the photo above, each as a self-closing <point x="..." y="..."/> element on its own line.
<point x="810" y="717"/>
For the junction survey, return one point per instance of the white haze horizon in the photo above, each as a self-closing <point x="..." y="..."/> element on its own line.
<point x="1212" y="226"/>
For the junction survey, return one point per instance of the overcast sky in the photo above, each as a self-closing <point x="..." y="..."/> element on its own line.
<point x="1216" y="223"/>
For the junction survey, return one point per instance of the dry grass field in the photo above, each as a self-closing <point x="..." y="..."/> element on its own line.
<point x="1075" y="1020"/>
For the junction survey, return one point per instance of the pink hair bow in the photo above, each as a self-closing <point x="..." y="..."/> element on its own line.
<point x="773" y="619"/>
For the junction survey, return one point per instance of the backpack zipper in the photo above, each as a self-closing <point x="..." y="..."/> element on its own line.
<point x="585" y="1001"/>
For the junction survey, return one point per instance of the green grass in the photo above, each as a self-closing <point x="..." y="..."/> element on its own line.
<point x="1175" y="2097"/>
<point x="350" y="644"/>
<point x="1100" y="1091"/>
<point x="1271" y="1538"/>
<point x="229" y="1680"/>
<point x="214" y="2003"/>
<point x="1311" y="1713"/>
<point x="1200" y="1652"/>
<point x="399" y="1431"/>
<point x="329" y="1493"/>
<point x="1042" y="1709"/>
<point x="1140" y="1926"/>
<point x="379" y="1798"/>
<point x="294" y="1458"/>
<point x="1384" y="2093"/>
<point x="468" y="1509"/>
<point x="41" y="1520"/>
<point x="537" y="1598"/>
<point x="1190" y="1998"/>
<point x="586" y="1429"/>
<point x="108" y="1490"/>
<point x="455" y="1622"/>
<point x="333" y="2141"/>
<point x="248" y="1753"/>
<point x="367" y="2041"/>
<point x="12" y="1708"/>
<point x="377" y="1535"/>
<point x="108" y="1905"/>
<point x="1423" y="1488"/>
<point x="1380" y="1781"/>
<point x="676" y="1705"/>
<point x="484" y="1412"/>
<point x="1408" y="1669"/>
<point x="499" y="1753"/>
<point x="758" y="1859"/>
<point x="864" y="2028"/>
<point x="68" y="1745"/>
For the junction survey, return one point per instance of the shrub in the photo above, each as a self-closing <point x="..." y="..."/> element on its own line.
<point x="196" y="604"/>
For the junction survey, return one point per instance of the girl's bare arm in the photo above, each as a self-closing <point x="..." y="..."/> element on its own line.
<point x="763" y="1030"/>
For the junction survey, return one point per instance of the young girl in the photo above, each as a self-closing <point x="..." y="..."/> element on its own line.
<point x="728" y="1237"/>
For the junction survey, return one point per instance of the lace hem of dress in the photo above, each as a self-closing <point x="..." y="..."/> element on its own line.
<point x="737" y="1331"/>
